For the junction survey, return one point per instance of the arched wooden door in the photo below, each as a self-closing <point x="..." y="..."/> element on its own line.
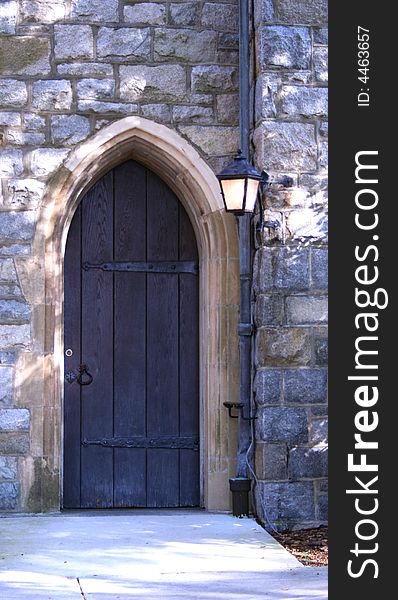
<point x="131" y="434"/>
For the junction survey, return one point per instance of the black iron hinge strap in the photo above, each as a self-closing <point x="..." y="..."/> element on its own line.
<point x="170" y="442"/>
<point x="162" y="266"/>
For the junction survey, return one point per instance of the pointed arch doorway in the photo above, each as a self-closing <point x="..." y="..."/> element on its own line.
<point x="131" y="338"/>
<point x="179" y="165"/>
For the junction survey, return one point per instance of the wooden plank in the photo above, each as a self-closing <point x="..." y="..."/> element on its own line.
<point x="130" y="478"/>
<point x="189" y="478"/>
<point x="130" y="333"/>
<point x="72" y="325"/>
<point x="163" y="467"/>
<point x="162" y="344"/>
<point x="97" y="345"/>
<point x="189" y="364"/>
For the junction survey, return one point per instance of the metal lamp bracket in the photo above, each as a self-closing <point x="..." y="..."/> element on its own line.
<point x="239" y="406"/>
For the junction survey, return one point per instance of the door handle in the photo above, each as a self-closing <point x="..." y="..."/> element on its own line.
<point x="84" y="377"/>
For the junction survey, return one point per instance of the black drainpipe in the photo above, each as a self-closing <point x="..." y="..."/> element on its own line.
<point x="240" y="485"/>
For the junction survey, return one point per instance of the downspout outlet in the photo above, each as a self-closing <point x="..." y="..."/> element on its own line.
<point x="240" y="488"/>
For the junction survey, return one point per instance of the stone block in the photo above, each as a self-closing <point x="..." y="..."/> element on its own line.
<point x="282" y="424"/>
<point x="224" y="17"/>
<point x="268" y="310"/>
<point x="214" y="79"/>
<point x="184" y="45"/>
<point x="281" y="269"/>
<point x="323" y="155"/>
<point x="152" y="84"/>
<point x="157" y="112"/>
<point x="319" y="268"/>
<point x="33" y="121"/>
<point x="228" y="41"/>
<point x="319" y="432"/>
<point x="52" y="95"/>
<point x="313" y="183"/>
<point x="321" y="35"/>
<point x="283" y="347"/>
<point x="185" y="13"/>
<point x="227" y="108"/>
<point x="101" y="123"/>
<point x="201" y="99"/>
<point x="124" y="43"/>
<point x="8" y="17"/>
<point x="268" y="386"/>
<point x="303" y="310"/>
<point x="17" y="226"/>
<point x="8" y="468"/>
<point x="20" y="55"/>
<point x="45" y="161"/>
<point x="308" y="102"/>
<point x="228" y="57"/>
<point x="98" y="107"/>
<point x="284" y="47"/>
<point x="320" y="60"/>
<point x="24" y="193"/>
<point x="271" y="461"/>
<point x="324" y="130"/>
<point x="288" y="502"/>
<point x="146" y="13"/>
<point x="14" y="249"/>
<point x="307" y="12"/>
<point x="321" y="351"/>
<point x="23" y="138"/>
<point x="14" y="443"/>
<point x="6" y="358"/>
<point x="10" y="290"/>
<point x="95" y="89"/>
<point x="285" y="147"/>
<point x="14" y="419"/>
<point x="7" y="271"/>
<point x="319" y="410"/>
<point x="323" y="504"/>
<point x="305" y="386"/>
<point x="323" y="485"/>
<point x="10" y="119"/>
<point x="192" y="114"/>
<point x="73" y="41"/>
<point x="213" y="141"/>
<point x="308" y="462"/>
<point x="263" y="12"/>
<point x="265" y="96"/>
<point x="13" y="93"/>
<point x="11" y="163"/>
<point x="95" y="11"/>
<point x="9" y="495"/>
<point x="295" y="77"/>
<point x="41" y="11"/>
<point x="6" y="385"/>
<point x="90" y="69"/>
<point x="69" y="130"/>
<point x="14" y="311"/>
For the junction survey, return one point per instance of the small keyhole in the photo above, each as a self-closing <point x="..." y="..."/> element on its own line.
<point x="69" y="352"/>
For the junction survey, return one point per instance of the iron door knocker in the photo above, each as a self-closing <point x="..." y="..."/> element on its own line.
<point x="83" y="371"/>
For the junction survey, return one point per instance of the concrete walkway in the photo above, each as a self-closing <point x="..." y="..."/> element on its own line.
<point x="148" y="555"/>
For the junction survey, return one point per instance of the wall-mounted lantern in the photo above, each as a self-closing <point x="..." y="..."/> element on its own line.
<point x="239" y="183"/>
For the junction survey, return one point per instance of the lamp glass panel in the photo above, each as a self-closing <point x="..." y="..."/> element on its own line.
<point x="251" y="194"/>
<point x="233" y="190"/>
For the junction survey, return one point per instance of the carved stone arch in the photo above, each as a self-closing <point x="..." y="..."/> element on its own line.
<point x="170" y="156"/>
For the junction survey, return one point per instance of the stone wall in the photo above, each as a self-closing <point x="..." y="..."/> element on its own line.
<point x="290" y="270"/>
<point x="68" y="69"/>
